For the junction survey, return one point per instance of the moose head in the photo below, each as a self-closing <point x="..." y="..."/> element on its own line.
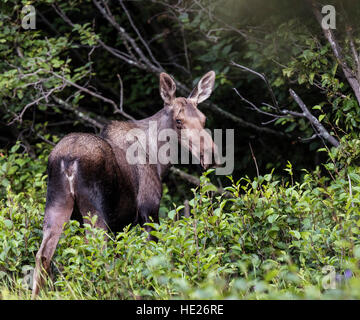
<point x="188" y="120"/>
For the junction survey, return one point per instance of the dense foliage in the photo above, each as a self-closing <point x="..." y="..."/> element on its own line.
<point x="264" y="238"/>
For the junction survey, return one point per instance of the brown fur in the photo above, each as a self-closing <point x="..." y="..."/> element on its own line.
<point x="90" y="175"/>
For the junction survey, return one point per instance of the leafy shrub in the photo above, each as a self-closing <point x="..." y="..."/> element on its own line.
<point x="264" y="238"/>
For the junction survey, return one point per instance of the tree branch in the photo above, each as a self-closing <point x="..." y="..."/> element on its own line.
<point x="314" y="121"/>
<point x="262" y="77"/>
<point x="139" y="35"/>
<point x="192" y="179"/>
<point x="318" y="127"/>
<point x="185" y="176"/>
<point x="105" y="11"/>
<point x="80" y="113"/>
<point x="44" y="96"/>
<point x="117" y="109"/>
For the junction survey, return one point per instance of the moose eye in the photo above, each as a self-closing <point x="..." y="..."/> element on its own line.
<point x="178" y="121"/>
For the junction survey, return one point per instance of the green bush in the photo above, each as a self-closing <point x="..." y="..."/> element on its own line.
<point x="264" y="238"/>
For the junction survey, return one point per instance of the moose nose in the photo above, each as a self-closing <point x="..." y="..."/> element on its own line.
<point x="212" y="156"/>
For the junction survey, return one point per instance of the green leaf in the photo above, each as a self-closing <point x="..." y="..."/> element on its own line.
<point x="296" y="234"/>
<point x="171" y="214"/>
<point x="311" y="77"/>
<point x="273" y="218"/>
<point x="8" y="223"/>
<point x="208" y="187"/>
<point x="20" y="94"/>
<point x="354" y="177"/>
<point x="321" y="117"/>
<point x="317" y="107"/>
<point x="5" y="182"/>
<point x="12" y="170"/>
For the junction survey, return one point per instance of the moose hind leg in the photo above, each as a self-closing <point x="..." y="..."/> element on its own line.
<point x="55" y="217"/>
<point x="91" y="207"/>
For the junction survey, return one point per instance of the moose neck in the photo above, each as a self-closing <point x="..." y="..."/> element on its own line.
<point x="152" y="126"/>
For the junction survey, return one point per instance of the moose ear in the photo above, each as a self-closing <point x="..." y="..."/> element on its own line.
<point x="204" y="88"/>
<point x="167" y="88"/>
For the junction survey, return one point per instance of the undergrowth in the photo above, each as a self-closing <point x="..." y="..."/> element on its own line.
<point x="263" y="238"/>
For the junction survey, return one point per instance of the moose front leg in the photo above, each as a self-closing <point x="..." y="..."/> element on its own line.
<point x="149" y="212"/>
<point x="148" y="198"/>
